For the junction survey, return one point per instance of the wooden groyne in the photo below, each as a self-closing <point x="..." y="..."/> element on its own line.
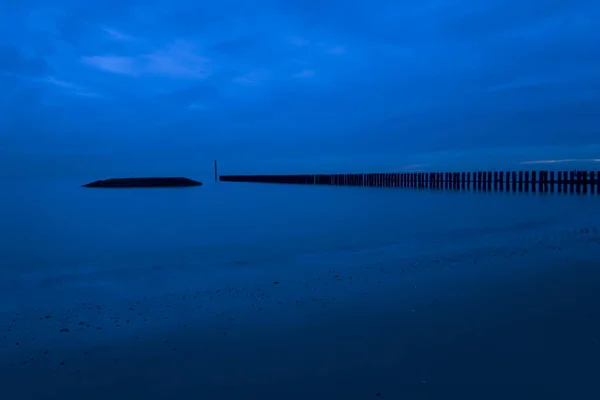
<point x="510" y="181"/>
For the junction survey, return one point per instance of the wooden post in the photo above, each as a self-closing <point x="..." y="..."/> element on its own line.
<point x="483" y="180"/>
<point x="496" y="180"/>
<point x="515" y="181"/>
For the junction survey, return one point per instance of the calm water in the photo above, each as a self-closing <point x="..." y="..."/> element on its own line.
<point x="108" y="293"/>
<point x="56" y="227"/>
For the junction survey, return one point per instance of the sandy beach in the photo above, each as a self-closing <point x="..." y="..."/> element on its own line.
<point x="487" y="322"/>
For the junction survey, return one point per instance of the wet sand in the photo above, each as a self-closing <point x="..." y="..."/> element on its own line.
<point x="494" y="323"/>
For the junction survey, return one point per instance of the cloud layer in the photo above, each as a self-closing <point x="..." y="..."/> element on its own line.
<point x="300" y="78"/>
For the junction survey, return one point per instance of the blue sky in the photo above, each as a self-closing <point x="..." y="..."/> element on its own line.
<point x="117" y="87"/>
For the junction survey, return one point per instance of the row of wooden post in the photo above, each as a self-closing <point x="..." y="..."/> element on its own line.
<point x="512" y="181"/>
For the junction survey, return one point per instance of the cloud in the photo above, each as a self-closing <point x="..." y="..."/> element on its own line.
<point x="337" y="50"/>
<point x="415" y="167"/>
<point x="298" y="61"/>
<point x="426" y="75"/>
<point x="13" y="60"/>
<point x="197" y="106"/>
<point x="117" y="35"/>
<point x="253" y="77"/>
<point x="71" y="88"/>
<point x="178" y="60"/>
<point x="62" y="84"/>
<point x="483" y="19"/>
<point x="307" y="73"/>
<point x="571" y="160"/>
<point x="115" y="64"/>
<point x="235" y="46"/>
<point x="298" y="41"/>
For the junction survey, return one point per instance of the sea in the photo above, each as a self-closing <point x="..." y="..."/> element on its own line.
<point x="56" y="231"/>
<point x="243" y="291"/>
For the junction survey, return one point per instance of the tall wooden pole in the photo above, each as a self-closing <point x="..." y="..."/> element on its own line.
<point x="216" y="176"/>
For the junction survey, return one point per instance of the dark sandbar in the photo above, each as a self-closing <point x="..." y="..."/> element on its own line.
<point x="143" y="183"/>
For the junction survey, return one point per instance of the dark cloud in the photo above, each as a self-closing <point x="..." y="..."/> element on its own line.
<point x="479" y="19"/>
<point x="14" y="61"/>
<point x="298" y="77"/>
<point x="240" y="45"/>
<point x="194" y="94"/>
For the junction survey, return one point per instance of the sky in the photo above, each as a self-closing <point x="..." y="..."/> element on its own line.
<point x="131" y="86"/>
